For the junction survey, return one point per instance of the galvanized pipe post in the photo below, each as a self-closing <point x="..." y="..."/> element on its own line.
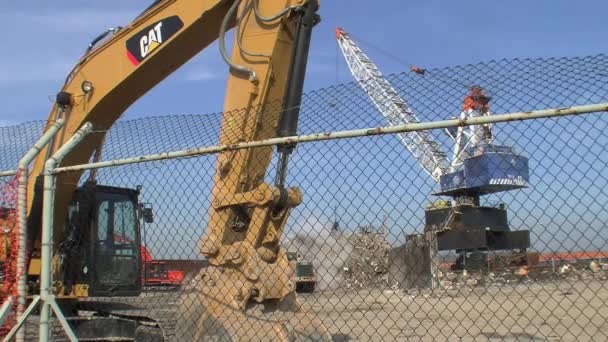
<point x="48" y="206"/>
<point x="46" y="294"/>
<point x="6" y="308"/>
<point x="22" y="172"/>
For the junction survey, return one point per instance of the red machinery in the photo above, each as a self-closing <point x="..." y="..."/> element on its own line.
<point x="155" y="273"/>
<point x="158" y="273"/>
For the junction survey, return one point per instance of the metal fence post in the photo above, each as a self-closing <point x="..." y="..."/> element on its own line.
<point x="8" y="302"/>
<point x="22" y="172"/>
<point x="22" y="216"/>
<point x="46" y="294"/>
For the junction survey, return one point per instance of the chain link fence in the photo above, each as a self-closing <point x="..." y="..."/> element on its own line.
<point x="369" y="252"/>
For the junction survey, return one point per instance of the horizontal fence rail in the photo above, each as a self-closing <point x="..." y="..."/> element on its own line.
<point x="482" y="120"/>
<point x="8" y="173"/>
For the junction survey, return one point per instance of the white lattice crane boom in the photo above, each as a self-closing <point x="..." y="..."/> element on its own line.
<point x="478" y="168"/>
<point x="421" y="144"/>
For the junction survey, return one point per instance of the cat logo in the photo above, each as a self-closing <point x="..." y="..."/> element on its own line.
<point x="150" y="42"/>
<point x="143" y="43"/>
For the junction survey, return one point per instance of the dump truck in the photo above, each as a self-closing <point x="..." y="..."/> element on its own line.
<point x="305" y="277"/>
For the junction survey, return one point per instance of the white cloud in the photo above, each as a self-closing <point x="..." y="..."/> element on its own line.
<point x="15" y="70"/>
<point x="51" y="41"/>
<point x="202" y="73"/>
<point x="69" y="20"/>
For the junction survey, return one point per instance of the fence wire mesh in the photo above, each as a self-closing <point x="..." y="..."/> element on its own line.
<point x="370" y="253"/>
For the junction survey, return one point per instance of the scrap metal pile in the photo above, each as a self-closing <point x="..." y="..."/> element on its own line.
<point x="367" y="265"/>
<point x="570" y="272"/>
<point x="344" y="260"/>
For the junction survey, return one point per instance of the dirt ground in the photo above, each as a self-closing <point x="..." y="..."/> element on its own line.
<point x="558" y="311"/>
<point x="564" y="310"/>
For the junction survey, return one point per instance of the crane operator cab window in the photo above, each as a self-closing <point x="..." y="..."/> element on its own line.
<point x="116" y="245"/>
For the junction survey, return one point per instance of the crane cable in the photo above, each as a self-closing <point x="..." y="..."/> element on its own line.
<point x="412" y="67"/>
<point x="587" y="68"/>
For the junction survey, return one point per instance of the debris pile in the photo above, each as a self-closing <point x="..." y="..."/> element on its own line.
<point x="344" y="260"/>
<point x="409" y="264"/>
<point x="451" y="280"/>
<point x="524" y="274"/>
<point x="367" y="266"/>
<point x="582" y="271"/>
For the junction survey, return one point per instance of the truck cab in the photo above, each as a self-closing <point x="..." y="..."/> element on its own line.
<point x="304" y="272"/>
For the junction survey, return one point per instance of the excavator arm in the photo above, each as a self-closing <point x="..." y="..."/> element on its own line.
<point x="113" y="75"/>
<point x="247" y="216"/>
<point x="262" y="100"/>
<point x="110" y="77"/>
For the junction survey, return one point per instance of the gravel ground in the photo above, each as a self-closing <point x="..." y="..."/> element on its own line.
<point x="561" y="310"/>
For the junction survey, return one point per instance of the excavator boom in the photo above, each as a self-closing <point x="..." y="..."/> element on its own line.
<point x="112" y="76"/>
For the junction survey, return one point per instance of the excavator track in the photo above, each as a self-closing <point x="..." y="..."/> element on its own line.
<point x="122" y="316"/>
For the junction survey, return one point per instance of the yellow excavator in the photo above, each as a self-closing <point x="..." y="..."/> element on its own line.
<point x="247" y="292"/>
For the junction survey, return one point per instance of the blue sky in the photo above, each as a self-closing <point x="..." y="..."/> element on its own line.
<point x="42" y="40"/>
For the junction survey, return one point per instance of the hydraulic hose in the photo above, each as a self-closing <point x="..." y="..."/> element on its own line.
<point x="102" y="36"/>
<point x="238" y="35"/>
<point x="237" y="67"/>
<point x="276" y="16"/>
<point x="232" y="13"/>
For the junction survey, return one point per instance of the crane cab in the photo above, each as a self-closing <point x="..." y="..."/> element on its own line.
<point x="490" y="169"/>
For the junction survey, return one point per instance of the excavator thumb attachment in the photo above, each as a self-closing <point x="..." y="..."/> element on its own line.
<point x="247" y="293"/>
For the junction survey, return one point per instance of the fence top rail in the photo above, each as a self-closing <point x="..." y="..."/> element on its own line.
<point x="480" y="120"/>
<point x="8" y="173"/>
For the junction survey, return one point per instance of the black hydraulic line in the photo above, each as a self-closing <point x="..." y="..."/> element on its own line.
<point x="238" y="34"/>
<point x="102" y="36"/>
<point x="260" y="17"/>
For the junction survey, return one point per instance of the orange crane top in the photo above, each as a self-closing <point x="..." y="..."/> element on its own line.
<point x="476" y="99"/>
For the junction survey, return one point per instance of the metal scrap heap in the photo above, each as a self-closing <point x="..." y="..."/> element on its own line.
<point x="367" y="264"/>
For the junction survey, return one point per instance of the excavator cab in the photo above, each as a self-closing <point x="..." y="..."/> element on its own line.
<point x="100" y="251"/>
